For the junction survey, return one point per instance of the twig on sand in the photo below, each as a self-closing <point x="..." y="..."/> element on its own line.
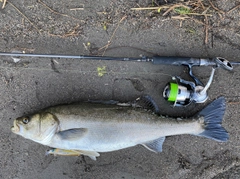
<point x="173" y="7"/>
<point x="73" y="32"/>
<point x="214" y="7"/>
<point x="25" y="17"/>
<point x="110" y="40"/>
<point x="168" y="7"/>
<point x="149" y="8"/>
<point x="206" y="30"/>
<point x="234" y="8"/>
<point x="233" y="102"/>
<point x="201" y="4"/>
<point x="76" y="9"/>
<point x="180" y="17"/>
<point x="4" y="4"/>
<point x="198" y="21"/>
<point x="197" y="14"/>
<point x="58" y="13"/>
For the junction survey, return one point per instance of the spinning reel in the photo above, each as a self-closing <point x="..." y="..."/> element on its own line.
<point x="183" y="92"/>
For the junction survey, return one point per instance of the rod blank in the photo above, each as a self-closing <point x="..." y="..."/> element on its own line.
<point x="158" y="60"/>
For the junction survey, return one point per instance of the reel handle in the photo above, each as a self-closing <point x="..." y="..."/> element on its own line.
<point x="222" y="62"/>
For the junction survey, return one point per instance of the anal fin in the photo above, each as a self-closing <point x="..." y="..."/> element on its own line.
<point x="155" y="145"/>
<point x="90" y="154"/>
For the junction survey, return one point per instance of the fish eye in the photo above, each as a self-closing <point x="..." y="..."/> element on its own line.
<point x="25" y="120"/>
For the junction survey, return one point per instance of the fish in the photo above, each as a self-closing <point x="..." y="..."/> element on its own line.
<point x="91" y="128"/>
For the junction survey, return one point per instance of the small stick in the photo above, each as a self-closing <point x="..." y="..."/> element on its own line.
<point x="199" y="21"/>
<point x="55" y="12"/>
<point x="170" y="8"/>
<point x="234" y="102"/>
<point x="149" y="8"/>
<point x="197" y="14"/>
<point x="173" y="7"/>
<point x="234" y="8"/>
<point x="206" y="31"/>
<point x="200" y="2"/>
<point x="24" y="17"/>
<point x="180" y="17"/>
<point x="110" y="40"/>
<point x="4" y="4"/>
<point x="214" y="7"/>
<point x="70" y="33"/>
<point x="75" y="9"/>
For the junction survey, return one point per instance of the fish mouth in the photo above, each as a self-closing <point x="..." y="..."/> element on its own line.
<point x="15" y="128"/>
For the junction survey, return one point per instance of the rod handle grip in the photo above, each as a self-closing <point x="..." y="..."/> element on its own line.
<point x="158" y="60"/>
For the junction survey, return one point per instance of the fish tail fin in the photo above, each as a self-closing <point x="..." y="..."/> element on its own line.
<point x="213" y="115"/>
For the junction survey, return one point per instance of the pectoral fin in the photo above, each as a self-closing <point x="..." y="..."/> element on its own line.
<point x="72" y="134"/>
<point x="63" y="152"/>
<point x="155" y="145"/>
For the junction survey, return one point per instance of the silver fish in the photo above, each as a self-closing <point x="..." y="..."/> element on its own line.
<point x="91" y="128"/>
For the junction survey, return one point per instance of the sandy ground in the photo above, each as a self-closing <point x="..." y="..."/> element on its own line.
<point x="35" y="83"/>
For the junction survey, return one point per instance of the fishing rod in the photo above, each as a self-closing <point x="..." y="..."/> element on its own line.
<point x="158" y="60"/>
<point x="181" y="92"/>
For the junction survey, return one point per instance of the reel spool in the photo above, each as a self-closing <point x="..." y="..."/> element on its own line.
<point x="185" y="92"/>
<point x="178" y="94"/>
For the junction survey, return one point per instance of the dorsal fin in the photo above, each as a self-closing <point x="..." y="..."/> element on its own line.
<point x="147" y="102"/>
